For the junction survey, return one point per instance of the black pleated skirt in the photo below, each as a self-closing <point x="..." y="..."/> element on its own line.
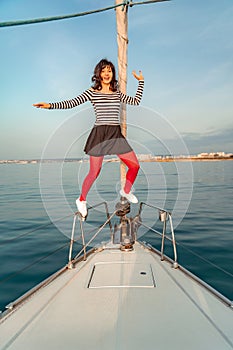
<point x="106" y="140"/>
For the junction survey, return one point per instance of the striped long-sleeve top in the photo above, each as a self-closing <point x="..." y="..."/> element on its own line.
<point x="106" y="106"/>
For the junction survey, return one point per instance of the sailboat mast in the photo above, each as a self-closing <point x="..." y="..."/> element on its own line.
<point x="122" y="42"/>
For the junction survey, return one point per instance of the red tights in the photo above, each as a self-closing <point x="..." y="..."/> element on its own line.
<point x="130" y="161"/>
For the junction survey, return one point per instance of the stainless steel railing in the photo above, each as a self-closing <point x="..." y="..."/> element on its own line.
<point x="84" y="244"/>
<point x="164" y="216"/>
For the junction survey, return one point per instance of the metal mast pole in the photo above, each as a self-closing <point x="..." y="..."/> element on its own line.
<point x="122" y="42"/>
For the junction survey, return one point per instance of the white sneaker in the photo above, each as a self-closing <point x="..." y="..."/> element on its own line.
<point x="82" y="207"/>
<point x="129" y="196"/>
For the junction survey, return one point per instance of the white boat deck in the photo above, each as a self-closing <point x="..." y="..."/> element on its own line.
<point x="120" y="300"/>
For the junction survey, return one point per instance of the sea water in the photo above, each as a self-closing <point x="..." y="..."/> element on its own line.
<point x="38" y="203"/>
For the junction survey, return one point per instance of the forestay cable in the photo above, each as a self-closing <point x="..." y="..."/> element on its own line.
<point x="57" y="18"/>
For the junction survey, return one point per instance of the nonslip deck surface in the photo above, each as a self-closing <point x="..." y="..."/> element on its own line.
<point x="120" y="300"/>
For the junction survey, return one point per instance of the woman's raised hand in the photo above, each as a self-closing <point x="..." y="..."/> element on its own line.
<point x="138" y="77"/>
<point x="42" y="105"/>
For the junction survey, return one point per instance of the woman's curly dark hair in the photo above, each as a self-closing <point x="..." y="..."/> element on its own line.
<point x="97" y="79"/>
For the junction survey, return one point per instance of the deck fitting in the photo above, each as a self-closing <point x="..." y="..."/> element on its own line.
<point x="127" y="244"/>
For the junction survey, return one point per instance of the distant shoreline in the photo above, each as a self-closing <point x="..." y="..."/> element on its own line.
<point x="189" y="159"/>
<point x="140" y="158"/>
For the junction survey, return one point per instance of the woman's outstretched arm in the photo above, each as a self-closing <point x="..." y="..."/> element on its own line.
<point x="84" y="97"/>
<point x="42" y="105"/>
<point x="138" y="76"/>
<point x="138" y="96"/>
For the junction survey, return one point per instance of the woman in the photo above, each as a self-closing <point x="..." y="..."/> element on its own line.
<point x="106" y="137"/>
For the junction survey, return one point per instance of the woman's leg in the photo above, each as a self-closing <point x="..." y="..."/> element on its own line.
<point x="95" y="167"/>
<point x="130" y="159"/>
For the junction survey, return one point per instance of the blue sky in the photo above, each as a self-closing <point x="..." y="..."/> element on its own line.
<point x="184" y="48"/>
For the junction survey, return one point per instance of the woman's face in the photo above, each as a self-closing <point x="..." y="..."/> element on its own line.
<point x="106" y="75"/>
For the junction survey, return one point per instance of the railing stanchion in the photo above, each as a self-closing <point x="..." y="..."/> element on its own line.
<point x="164" y="215"/>
<point x="175" y="265"/>
<point x="70" y="265"/>
<point x="83" y="241"/>
<point x="164" y="233"/>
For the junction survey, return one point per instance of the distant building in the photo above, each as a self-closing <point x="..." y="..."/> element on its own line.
<point x="144" y="156"/>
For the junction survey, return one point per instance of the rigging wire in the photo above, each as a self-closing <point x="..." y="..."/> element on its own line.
<point x="67" y="243"/>
<point x="57" y="18"/>
<point x="9" y="240"/>
<point x="17" y="273"/>
<point x="191" y="251"/>
<point x="204" y="259"/>
<point x="9" y="277"/>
